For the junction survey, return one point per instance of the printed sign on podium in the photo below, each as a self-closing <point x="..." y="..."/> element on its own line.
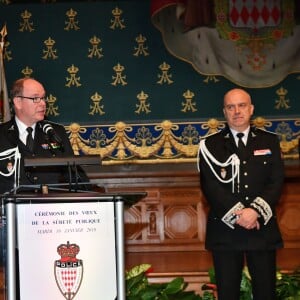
<point x="67" y="251"/>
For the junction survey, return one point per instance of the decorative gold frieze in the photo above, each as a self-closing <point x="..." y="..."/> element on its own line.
<point x="165" y="141"/>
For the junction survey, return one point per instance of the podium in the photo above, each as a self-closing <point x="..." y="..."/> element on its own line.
<point x="44" y="224"/>
<point x="59" y="243"/>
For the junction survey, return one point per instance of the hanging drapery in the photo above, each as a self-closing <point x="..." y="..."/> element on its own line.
<point x="251" y="43"/>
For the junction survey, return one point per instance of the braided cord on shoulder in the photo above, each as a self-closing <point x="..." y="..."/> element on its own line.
<point x="232" y="161"/>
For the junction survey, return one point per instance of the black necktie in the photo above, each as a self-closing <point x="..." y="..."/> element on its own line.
<point x="241" y="145"/>
<point x="29" y="139"/>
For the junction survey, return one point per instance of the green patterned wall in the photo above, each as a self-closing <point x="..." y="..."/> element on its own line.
<point x="105" y="62"/>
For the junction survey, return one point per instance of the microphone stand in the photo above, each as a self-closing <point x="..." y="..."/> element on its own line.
<point x="71" y="163"/>
<point x="60" y="187"/>
<point x="49" y="145"/>
<point x="72" y="169"/>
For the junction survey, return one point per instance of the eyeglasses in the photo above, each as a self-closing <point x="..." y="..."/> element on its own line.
<point x="34" y="99"/>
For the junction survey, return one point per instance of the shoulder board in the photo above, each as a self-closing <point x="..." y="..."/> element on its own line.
<point x="266" y="131"/>
<point x="41" y="124"/>
<point x="211" y="134"/>
<point x="53" y="123"/>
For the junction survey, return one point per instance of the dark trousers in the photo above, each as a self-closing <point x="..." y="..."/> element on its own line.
<point x="228" y="267"/>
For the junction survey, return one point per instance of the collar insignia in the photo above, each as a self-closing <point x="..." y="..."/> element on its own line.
<point x="53" y="146"/>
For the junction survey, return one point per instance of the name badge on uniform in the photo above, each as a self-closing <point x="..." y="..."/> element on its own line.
<point x="262" y="152"/>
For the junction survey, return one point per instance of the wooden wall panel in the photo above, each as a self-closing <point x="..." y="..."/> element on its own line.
<point x="167" y="228"/>
<point x="289" y="215"/>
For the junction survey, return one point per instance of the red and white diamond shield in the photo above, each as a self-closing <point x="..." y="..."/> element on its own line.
<point x="68" y="270"/>
<point x="68" y="276"/>
<point x="254" y="14"/>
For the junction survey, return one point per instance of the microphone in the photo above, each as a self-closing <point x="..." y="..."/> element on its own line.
<point x="53" y="136"/>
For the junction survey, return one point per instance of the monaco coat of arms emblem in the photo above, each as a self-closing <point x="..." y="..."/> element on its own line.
<point x="68" y="270"/>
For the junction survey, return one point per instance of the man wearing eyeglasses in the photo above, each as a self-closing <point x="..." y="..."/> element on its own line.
<point x="33" y="137"/>
<point x="241" y="174"/>
<point x="27" y="131"/>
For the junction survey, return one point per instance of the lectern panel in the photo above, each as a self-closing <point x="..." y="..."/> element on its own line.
<point x="66" y="250"/>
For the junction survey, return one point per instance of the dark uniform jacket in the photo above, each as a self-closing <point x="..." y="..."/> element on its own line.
<point x="261" y="179"/>
<point x="9" y="138"/>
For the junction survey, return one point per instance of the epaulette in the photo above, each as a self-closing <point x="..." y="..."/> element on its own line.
<point x="53" y="123"/>
<point x="209" y="135"/>
<point x="266" y="131"/>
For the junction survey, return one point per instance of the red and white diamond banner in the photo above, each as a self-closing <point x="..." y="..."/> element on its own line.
<point x="254" y="14"/>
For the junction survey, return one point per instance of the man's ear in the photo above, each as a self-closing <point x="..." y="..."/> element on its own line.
<point x="16" y="102"/>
